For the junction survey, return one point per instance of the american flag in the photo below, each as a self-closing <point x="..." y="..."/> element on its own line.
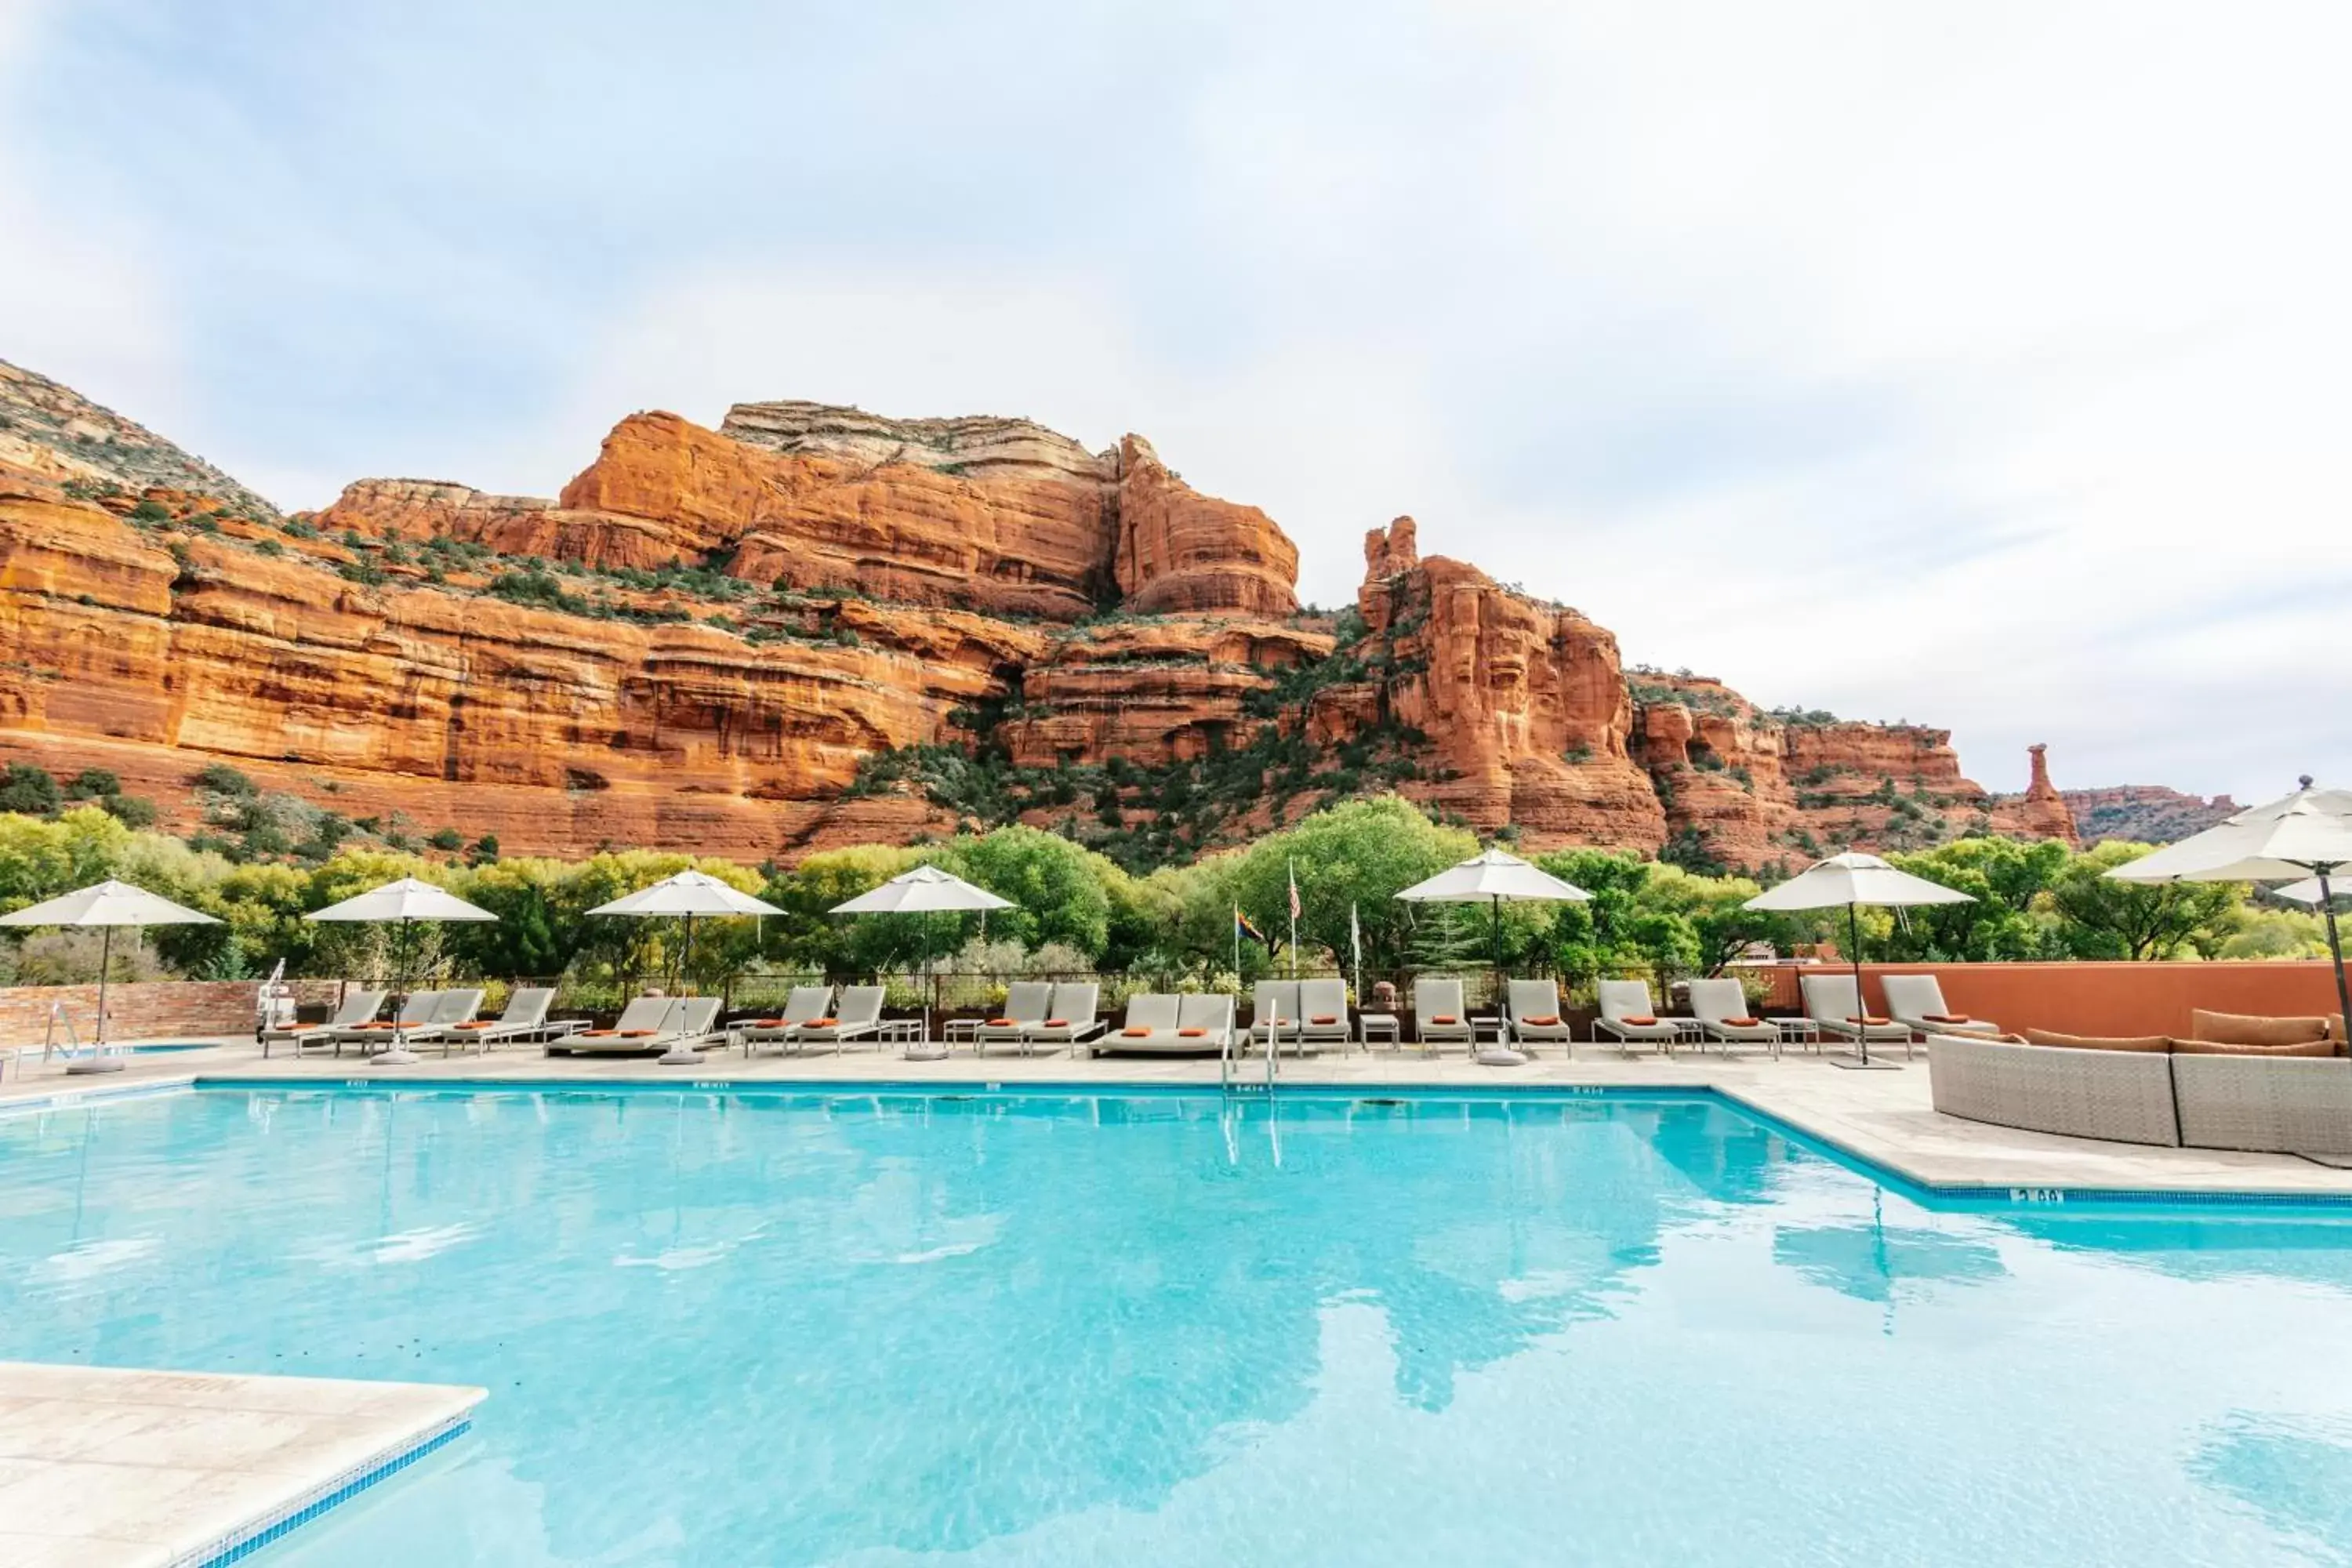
<point x="1294" y="892"/>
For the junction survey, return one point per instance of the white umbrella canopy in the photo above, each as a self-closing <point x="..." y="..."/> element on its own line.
<point x="1852" y="880"/>
<point x="1494" y="875"/>
<point x="2307" y="832"/>
<point x="688" y="893"/>
<point x="2307" y="891"/>
<point x="406" y="900"/>
<point x="106" y="905"/>
<point x="925" y="889"/>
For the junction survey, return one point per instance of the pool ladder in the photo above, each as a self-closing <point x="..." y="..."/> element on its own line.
<point x="1229" y="1061"/>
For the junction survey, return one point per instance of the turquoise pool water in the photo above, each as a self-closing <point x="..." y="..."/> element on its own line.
<point x="1073" y="1328"/>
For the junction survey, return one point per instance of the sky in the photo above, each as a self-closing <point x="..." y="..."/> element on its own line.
<point x="1979" y="365"/>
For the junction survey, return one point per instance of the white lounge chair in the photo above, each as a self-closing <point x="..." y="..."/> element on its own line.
<point x="356" y="1008"/>
<point x="1627" y="1016"/>
<point x="1835" y="1008"/>
<point x="1535" y="1017"/>
<point x="526" y="1013"/>
<point x="695" y="1024"/>
<point x="1071" y="1019"/>
<point x="805" y="1004"/>
<point x="1027" y="1003"/>
<point x="1917" y="1001"/>
<point x="859" y="1015"/>
<point x="1151" y="1024"/>
<point x="1323" y="1013"/>
<point x="1439" y="1016"/>
<point x="416" y="1012"/>
<point x="1722" y="1010"/>
<point x="1274" y="1011"/>
<point x="1204" y="1021"/>
<point x="641" y="1025"/>
<point x="455" y="1007"/>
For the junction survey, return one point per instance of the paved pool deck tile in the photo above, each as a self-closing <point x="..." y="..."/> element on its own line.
<point x="108" y="1468"/>
<point x="1883" y="1118"/>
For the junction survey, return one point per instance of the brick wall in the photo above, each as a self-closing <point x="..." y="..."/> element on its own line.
<point x="147" y="1010"/>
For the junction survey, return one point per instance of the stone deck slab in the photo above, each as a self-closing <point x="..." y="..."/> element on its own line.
<point x="107" y="1468"/>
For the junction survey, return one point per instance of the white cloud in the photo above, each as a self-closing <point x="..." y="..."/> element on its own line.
<point x="1975" y="366"/>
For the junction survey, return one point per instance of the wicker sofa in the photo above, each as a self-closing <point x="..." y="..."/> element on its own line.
<point x="2288" y="1105"/>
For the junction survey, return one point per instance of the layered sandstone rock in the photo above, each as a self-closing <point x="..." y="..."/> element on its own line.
<point x="52" y="430"/>
<point x="1523" y="704"/>
<point x="1166" y="689"/>
<point x="2041" y="812"/>
<point x="1179" y="550"/>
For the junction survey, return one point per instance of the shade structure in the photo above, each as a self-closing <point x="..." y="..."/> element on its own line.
<point x="2307" y="891"/>
<point x="1855" y="880"/>
<point x="1494" y="878"/>
<point x="924" y="890"/>
<point x="105" y="905"/>
<point x="685" y="895"/>
<point x="2306" y="833"/>
<point x="406" y="901"/>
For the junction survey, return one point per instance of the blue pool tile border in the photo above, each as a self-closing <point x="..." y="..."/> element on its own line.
<point x="2020" y="1199"/>
<point x="252" y="1538"/>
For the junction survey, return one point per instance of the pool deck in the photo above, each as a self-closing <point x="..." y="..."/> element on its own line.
<point x="1883" y="1118"/>
<point x="101" y="1468"/>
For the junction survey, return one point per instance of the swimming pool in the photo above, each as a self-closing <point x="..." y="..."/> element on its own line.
<point x="1047" y="1328"/>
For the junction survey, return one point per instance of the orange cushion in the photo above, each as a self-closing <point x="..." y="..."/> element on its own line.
<point x="768" y="1024"/>
<point x="1058" y="1023"/>
<point x="2238" y="1048"/>
<point x="1137" y="1034"/>
<point x="1645" y="1019"/>
<point x="1744" y="1023"/>
<point x="1545" y="1022"/>
<point x="822" y="1023"/>
<point x="1324" y="1018"/>
<point x="637" y="1034"/>
<point x="1192" y="1033"/>
<point x="1947" y="1017"/>
<point x="2097" y="1042"/>
<point x="1000" y="1022"/>
<point x="2243" y="1029"/>
<point x="1866" y="1018"/>
<point x="1444" y="1018"/>
<point x="477" y="1024"/>
<point x="600" y="1032"/>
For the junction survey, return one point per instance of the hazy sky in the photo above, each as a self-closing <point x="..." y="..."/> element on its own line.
<point x="1982" y="365"/>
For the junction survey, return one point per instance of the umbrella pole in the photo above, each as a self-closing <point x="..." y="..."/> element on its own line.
<point x="681" y="1052"/>
<point x="98" y="1061"/>
<point x="2336" y="955"/>
<point x="400" y="1055"/>
<point x="1853" y="932"/>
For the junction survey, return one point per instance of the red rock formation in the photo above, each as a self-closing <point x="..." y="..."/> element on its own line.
<point x="1523" y="703"/>
<point x="1153" y="691"/>
<point x="2144" y="814"/>
<point x="1179" y="550"/>
<point x="2041" y="812"/>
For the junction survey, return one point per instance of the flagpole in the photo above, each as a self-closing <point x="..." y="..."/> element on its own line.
<point x="1293" y="920"/>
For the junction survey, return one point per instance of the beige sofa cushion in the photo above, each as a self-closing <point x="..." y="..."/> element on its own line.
<point x="2098" y="1042"/>
<point x="2245" y="1030"/>
<point x="2238" y="1048"/>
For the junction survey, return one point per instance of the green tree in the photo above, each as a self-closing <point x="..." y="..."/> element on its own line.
<point x="2099" y="917"/>
<point x="1058" y="890"/>
<point x="29" y="790"/>
<point x="2007" y="878"/>
<point x="1356" y="855"/>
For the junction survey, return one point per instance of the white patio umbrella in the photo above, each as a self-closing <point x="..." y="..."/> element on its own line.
<point x="1494" y="878"/>
<point x="687" y="894"/>
<point x="406" y="900"/>
<point x="1855" y="879"/>
<point x="106" y="905"/>
<point x="2308" y="834"/>
<point x="924" y="890"/>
